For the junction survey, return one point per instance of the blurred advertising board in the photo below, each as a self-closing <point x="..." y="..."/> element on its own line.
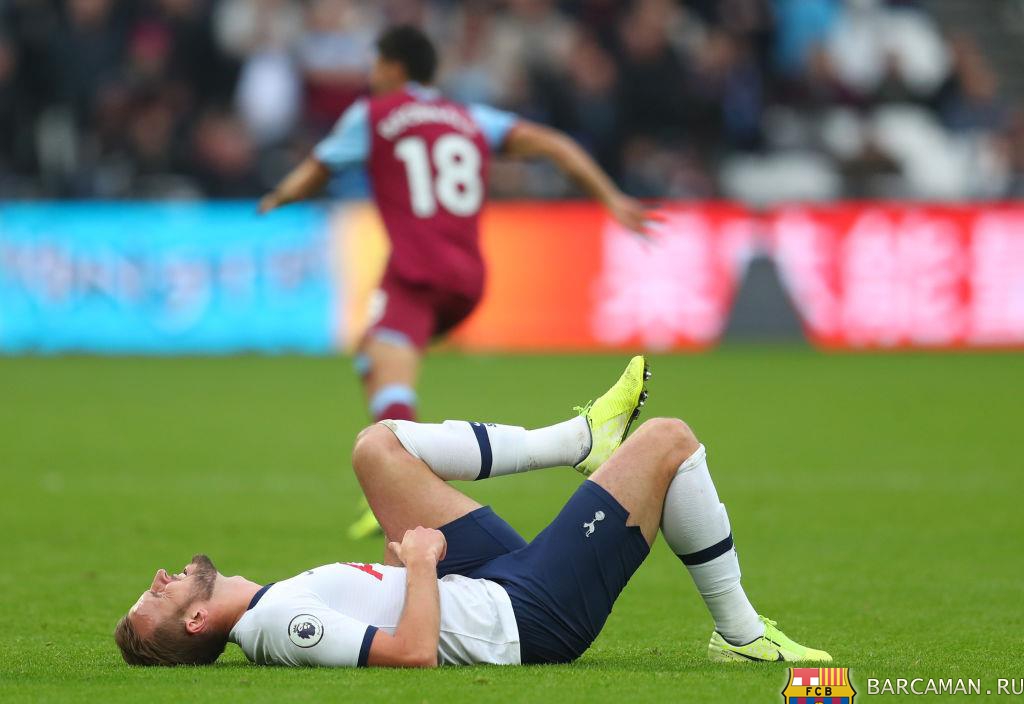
<point x="567" y="278"/>
<point x="164" y="278"/>
<point x="215" y="278"/>
<point x="562" y="276"/>
<point x="880" y="276"/>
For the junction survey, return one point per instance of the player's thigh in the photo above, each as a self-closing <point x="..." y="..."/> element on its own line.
<point x="638" y="474"/>
<point x="402" y="320"/>
<point x="401" y="489"/>
<point x="451" y="309"/>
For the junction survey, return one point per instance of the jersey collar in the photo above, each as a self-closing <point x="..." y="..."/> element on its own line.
<point x="259" y="595"/>
<point x="421" y="91"/>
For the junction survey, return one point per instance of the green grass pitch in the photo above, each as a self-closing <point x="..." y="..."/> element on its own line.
<point x="876" y="503"/>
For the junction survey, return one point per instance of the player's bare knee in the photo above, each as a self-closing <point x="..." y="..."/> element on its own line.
<point x="374" y="445"/>
<point x="674" y="435"/>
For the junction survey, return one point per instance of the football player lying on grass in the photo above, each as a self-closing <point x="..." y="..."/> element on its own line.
<point x="460" y="586"/>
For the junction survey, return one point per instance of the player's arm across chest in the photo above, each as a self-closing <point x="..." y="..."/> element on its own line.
<point x="415" y="641"/>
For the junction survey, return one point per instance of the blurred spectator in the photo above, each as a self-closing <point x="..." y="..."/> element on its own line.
<point x="592" y="113"/>
<point x="8" y="103"/>
<point x="530" y="37"/>
<point x="468" y="70"/>
<point x="972" y="100"/>
<point x="803" y="27"/>
<point x="334" y="55"/>
<point x="87" y="52"/>
<point x="1015" y="156"/>
<point x="224" y="156"/>
<point x="244" y="26"/>
<point x="755" y="99"/>
<point x="728" y="84"/>
<point x="195" y="58"/>
<point x="652" y="73"/>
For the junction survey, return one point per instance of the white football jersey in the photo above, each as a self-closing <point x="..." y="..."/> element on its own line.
<point x="328" y="616"/>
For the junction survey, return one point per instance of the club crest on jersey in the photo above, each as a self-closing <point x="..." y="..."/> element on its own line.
<point x="305" y="630"/>
<point x="818" y="685"/>
<point x="591" y="526"/>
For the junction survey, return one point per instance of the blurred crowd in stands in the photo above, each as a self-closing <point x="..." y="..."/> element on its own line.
<point x="754" y="99"/>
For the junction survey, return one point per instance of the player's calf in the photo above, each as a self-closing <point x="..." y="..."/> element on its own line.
<point x="660" y="476"/>
<point x="696" y="526"/>
<point x="470" y="451"/>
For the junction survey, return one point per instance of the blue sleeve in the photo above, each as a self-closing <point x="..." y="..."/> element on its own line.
<point x="348" y="144"/>
<point x="494" y="123"/>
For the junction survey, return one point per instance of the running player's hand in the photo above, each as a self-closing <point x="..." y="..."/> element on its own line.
<point x="269" y="202"/>
<point x="632" y="214"/>
<point x="420" y="543"/>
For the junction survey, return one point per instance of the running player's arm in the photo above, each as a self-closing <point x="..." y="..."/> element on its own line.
<point x="304" y="182"/>
<point x="509" y="134"/>
<point x="529" y="140"/>
<point x="414" y="643"/>
<point x="347" y="145"/>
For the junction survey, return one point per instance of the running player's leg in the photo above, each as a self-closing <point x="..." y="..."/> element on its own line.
<point x="452" y="309"/>
<point x="392" y="365"/>
<point x="402" y="322"/>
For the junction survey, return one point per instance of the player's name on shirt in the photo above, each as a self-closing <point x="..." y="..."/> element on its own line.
<point x="412" y="114"/>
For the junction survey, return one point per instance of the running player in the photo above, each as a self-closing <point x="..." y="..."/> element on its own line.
<point x="427" y="162"/>
<point x="461" y="587"/>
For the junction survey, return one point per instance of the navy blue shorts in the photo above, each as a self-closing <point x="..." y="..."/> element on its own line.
<point x="563" y="584"/>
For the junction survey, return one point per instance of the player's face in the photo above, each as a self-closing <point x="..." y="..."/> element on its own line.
<point x="170" y="594"/>
<point x="386" y="76"/>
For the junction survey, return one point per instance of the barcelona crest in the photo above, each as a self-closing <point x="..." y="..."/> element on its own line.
<point x="819" y="685"/>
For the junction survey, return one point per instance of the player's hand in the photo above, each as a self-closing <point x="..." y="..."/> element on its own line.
<point x="632" y="214"/>
<point x="420" y="544"/>
<point x="269" y="202"/>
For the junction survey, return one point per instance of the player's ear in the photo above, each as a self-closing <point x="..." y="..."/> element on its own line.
<point x="197" y="621"/>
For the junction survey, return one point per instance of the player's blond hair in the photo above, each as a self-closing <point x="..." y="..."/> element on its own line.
<point x="169" y="645"/>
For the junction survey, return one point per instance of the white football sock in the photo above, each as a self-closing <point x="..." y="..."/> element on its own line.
<point x="459" y="450"/>
<point x="696" y="527"/>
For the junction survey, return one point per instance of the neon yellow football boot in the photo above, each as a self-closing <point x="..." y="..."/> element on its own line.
<point x="366" y="525"/>
<point x="611" y="416"/>
<point x="774" y="645"/>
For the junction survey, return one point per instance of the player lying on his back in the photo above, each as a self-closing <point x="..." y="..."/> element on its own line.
<point x="427" y="162"/>
<point x="462" y="587"/>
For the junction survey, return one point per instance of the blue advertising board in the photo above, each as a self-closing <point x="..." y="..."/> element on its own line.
<point x="165" y="278"/>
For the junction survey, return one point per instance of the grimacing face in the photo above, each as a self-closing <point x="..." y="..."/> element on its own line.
<point x="169" y="595"/>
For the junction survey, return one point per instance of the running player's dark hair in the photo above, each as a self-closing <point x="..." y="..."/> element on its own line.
<point x="410" y="47"/>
